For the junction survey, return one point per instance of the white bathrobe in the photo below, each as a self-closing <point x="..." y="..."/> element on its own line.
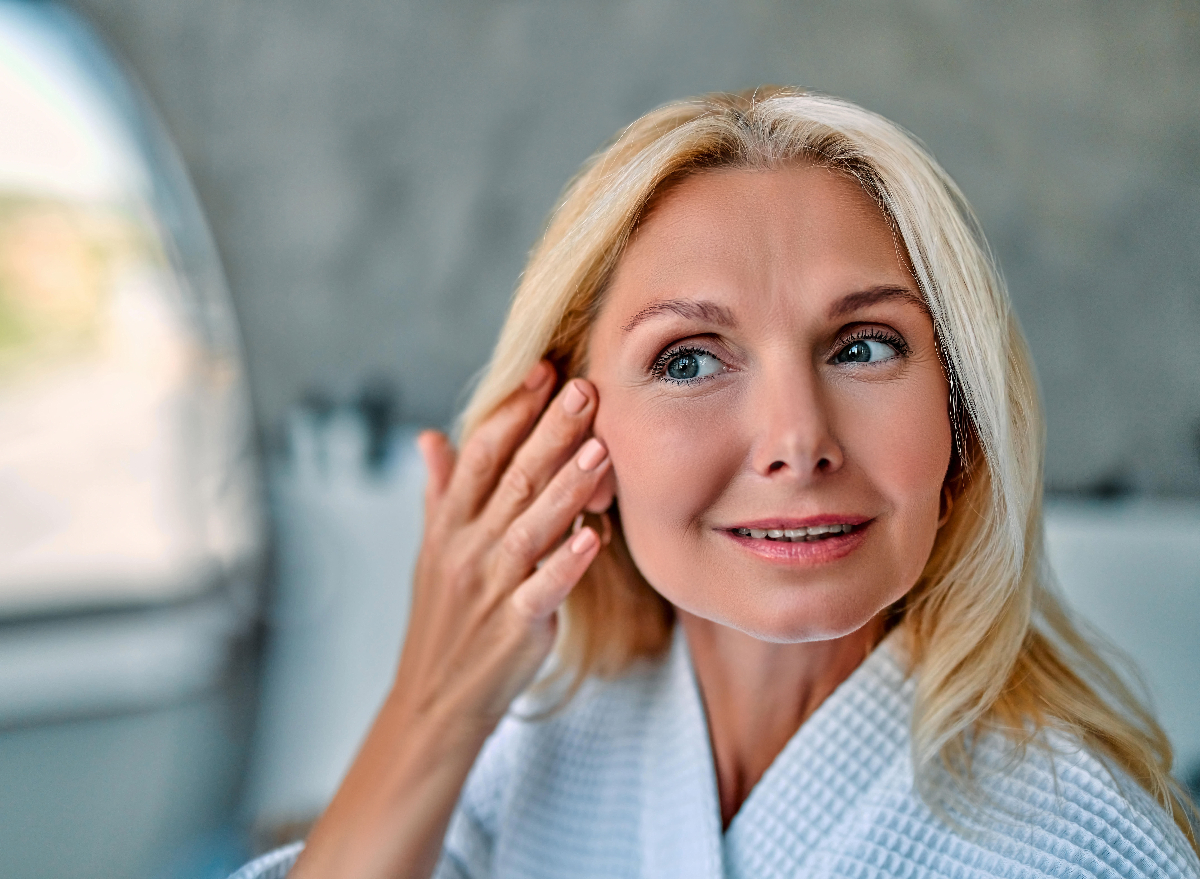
<point x="622" y="784"/>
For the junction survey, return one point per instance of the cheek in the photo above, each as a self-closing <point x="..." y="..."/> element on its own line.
<point x="652" y="446"/>
<point x="671" y="461"/>
<point x="909" y="452"/>
<point x="903" y="446"/>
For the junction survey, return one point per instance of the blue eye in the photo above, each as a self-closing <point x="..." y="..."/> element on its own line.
<point x="689" y="365"/>
<point x="866" y="351"/>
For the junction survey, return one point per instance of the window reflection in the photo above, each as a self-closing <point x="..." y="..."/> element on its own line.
<point x="123" y="473"/>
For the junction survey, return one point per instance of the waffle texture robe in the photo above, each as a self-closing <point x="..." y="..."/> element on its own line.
<point x="621" y="784"/>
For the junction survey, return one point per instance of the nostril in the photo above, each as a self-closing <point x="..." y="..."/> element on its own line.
<point x="823" y="464"/>
<point x="775" y="465"/>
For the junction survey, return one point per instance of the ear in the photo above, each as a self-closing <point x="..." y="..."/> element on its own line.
<point x="946" y="505"/>
<point x="602" y="497"/>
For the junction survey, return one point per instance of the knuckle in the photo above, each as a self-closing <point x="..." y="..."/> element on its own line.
<point x="479" y="460"/>
<point x="565" y="491"/>
<point x="520" y="542"/>
<point x="523" y="607"/>
<point x="562" y="430"/>
<point x="518" y="484"/>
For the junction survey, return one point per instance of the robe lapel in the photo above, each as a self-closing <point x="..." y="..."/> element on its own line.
<point x="681" y="817"/>
<point x="859" y="735"/>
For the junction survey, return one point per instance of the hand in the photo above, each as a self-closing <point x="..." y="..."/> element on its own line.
<point x="483" y="616"/>
<point x="482" y="622"/>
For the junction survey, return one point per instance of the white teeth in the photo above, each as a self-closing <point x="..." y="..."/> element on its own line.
<point x="813" y="533"/>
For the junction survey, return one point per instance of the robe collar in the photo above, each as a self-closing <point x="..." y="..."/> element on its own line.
<point x="857" y="737"/>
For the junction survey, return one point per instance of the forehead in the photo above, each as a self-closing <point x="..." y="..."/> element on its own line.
<point x="802" y="230"/>
<point x="794" y="191"/>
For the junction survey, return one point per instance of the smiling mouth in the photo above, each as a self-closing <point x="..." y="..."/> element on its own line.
<point x="811" y="534"/>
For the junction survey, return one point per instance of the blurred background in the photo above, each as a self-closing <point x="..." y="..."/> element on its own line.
<point x="247" y="249"/>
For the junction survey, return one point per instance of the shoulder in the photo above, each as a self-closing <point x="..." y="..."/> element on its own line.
<point x="543" y="777"/>
<point x="1050" y="809"/>
<point x="1055" y="809"/>
<point x="1048" y="812"/>
<point x="540" y="739"/>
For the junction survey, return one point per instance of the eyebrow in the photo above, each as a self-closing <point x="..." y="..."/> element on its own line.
<point x="874" y="295"/>
<point x="711" y="312"/>
<point x="692" y="309"/>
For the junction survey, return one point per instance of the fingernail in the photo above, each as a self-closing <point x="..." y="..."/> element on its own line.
<point x="583" y="541"/>
<point x="537" y="376"/>
<point x="574" y="399"/>
<point x="592" y="453"/>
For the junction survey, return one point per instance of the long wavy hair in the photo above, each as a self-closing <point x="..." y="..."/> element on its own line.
<point x="994" y="648"/>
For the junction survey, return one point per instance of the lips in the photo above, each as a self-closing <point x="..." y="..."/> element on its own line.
<point x="813" y="532"/>
<point x="806" y="523"/>
<point x="813" y="540"/>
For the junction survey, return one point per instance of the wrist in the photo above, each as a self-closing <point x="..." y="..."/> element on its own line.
<point x="390" y="814"/>
<point x="436" y="728"/>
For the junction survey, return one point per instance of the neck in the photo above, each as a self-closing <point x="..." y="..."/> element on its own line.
<point x="757" y="694"/>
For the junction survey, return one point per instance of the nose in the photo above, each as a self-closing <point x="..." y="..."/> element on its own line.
<point x="792" y="425"/>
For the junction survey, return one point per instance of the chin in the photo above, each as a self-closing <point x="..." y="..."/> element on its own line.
<point x="793" y="631"/>
<point x="790" y="621"/>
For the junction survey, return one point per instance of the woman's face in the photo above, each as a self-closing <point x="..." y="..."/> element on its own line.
<point x="767" y="371"/>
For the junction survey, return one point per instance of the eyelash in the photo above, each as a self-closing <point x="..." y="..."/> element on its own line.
<point x="873" y="334"/>
<point x="659" y="369"/>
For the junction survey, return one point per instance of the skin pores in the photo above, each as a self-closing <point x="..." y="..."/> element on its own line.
<point x="763" y="358"/>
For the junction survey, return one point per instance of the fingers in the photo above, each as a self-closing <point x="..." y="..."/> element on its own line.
<point x="558" y="434"/>
<point x="544" y="590"/>
<point x="532" y="534"/>
<point x="602" y="497"/>
<point x="438" y="455"/>
<point x="485" y="455"/>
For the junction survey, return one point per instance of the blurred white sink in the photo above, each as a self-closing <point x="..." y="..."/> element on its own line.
<point x="347" y="542"/>
<point x="1132" y="569"/>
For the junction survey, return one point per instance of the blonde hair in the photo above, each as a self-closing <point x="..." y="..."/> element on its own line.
<point x="995" y="649"/>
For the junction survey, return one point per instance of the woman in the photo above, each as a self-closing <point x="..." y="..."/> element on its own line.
<point x="812" y="633"/>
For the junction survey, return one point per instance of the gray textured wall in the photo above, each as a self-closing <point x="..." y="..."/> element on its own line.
<point x="375" y="172"/>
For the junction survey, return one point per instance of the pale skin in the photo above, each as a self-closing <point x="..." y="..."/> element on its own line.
<point x="762" y="358"/>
